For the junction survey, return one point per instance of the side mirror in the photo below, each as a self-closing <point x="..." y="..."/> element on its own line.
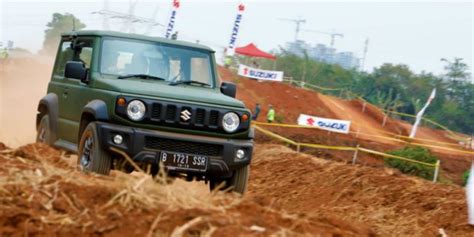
<point x="229" y="89"/>
<point x="76" y="70"/>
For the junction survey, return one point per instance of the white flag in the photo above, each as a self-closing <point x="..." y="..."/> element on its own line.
<point x="235" y="29"/>
<point x="420" y="114"/>
<point x="470" y="196"/>
<point x="172" y="20"/>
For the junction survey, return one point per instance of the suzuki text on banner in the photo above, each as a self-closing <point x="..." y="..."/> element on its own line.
<point x="172" y="20"/>
<point x="333" y="125"/>
<point x="235" y="29"/>
<point x="260" y="74"/>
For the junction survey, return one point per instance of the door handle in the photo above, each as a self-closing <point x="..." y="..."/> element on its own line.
<point x="66" y="92"/>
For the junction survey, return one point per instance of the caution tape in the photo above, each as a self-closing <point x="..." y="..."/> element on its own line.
<point x="457" y="137"/>
<point x="381" y="137"/>
<point x="395" y="157"/>
<point x="314" y="86"/>
<point x="275" y="135"/>
<point x="342" y="148"/>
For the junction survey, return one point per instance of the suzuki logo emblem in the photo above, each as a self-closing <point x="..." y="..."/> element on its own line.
<point x="185" y="115"/>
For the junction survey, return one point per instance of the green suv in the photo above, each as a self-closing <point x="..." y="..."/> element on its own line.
<point x="126" y="102"/>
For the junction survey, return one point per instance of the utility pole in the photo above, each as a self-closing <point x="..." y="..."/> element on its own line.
<point x="298" y="22"/>
<point x="128" y="19"/>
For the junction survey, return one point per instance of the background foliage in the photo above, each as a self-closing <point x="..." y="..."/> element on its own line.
<point x="394" y="87"/>
<point x="59" y="24"/>
<point x="414" y="153"/>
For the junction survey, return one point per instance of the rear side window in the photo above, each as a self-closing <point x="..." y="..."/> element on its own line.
<point x="81" y="54"/>
<point x="65" y="54"/>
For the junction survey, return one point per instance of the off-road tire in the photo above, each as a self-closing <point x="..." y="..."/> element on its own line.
<point x="237" y="183"/>
<point x="43" y="134"/>
<point x="91" y="157"/>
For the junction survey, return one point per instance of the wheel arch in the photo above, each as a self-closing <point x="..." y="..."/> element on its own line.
<point x="95" y="110"/>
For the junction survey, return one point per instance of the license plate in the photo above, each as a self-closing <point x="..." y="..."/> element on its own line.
<point x="181" y="161"/>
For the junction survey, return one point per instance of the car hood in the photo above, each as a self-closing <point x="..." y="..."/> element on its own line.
<point x="162" y="90"/>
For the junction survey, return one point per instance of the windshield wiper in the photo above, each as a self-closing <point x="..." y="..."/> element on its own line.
<point x="188" y="82"/>
<point x="141" y="76"/>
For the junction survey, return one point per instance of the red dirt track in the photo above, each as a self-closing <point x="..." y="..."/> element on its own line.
<point x="290" y="102"/>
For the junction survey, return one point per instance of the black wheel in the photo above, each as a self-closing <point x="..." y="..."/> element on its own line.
<point x="43" y="134"/>
<point x="237" y="183"/>
<point x="91" y="157"/>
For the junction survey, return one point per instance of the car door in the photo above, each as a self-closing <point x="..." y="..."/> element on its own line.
<point x="58" y="84"/>
<point x="75" y="91"/>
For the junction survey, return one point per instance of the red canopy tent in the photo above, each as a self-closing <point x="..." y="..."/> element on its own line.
<point x="252" y="51"/>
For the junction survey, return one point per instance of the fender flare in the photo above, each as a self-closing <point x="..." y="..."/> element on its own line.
<point x="95" y="110"/>
<point x="49" y="105"/>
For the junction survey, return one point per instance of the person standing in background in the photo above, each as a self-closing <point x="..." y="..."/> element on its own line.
<point x="270" y="114"/>
<point x="256" y="113"/>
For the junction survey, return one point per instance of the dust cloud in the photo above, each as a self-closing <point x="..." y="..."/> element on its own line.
<point x="22" y="83"/>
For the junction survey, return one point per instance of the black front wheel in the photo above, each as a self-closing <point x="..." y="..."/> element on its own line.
<point x="237" y="183"/>
<point x="91" y="157"/>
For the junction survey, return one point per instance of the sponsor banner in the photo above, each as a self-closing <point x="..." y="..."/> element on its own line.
<point x="172" y="20"/>
<point x="235" y="29"/>
<point x="333" y="125"/>
<point x="260" y="74"/>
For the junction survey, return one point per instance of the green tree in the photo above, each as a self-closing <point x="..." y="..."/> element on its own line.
<point x="457" y="70"/>
<point x="59" y="24"/>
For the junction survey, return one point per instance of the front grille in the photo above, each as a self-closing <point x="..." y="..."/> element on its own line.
<point x="165" y="144"/>
<point x="214" y="118"/>
<point x="200" y="116"/>
<point x="156" y="111"/>
<point x="170" y="113"/>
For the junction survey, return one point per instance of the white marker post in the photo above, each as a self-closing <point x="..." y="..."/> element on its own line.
<point x="470" y="196"/>
<point x="420" y="114"/>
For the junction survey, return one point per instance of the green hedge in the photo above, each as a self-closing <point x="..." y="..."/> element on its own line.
<point x="413" y="153"/>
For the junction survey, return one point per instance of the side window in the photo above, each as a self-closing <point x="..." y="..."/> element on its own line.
<point x="84" y="53"/>
<point x="65" y="54"/>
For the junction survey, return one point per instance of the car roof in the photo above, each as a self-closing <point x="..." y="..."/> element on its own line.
<point x="137" y="37"/>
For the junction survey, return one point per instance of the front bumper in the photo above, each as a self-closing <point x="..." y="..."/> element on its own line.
<point x="145" y="145"/>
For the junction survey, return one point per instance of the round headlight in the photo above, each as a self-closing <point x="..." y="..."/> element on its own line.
<point x="136" y="110"/>
<point x="230" y="122"/>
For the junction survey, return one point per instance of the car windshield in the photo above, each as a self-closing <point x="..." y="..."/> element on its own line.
<point x="125" y="58"/>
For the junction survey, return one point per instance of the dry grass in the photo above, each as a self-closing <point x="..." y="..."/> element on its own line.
<point x="40" y="181"/>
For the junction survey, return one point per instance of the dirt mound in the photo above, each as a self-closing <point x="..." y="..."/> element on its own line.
<point x="41" y="194"/>
<point x="290" y="102"/>
<point x="390" y="203"/>
<point x="367" y="123"/>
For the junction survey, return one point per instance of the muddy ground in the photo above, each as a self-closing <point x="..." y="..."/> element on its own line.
<point x="289" y="194"/>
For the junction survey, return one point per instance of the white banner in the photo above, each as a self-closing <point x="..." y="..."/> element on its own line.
<point x="171" y="22"/>
<point x="420" y="114"/>
<point x="260" y="74"/>
<point x="333" y="125"/>
<point x="235" y="29"/>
